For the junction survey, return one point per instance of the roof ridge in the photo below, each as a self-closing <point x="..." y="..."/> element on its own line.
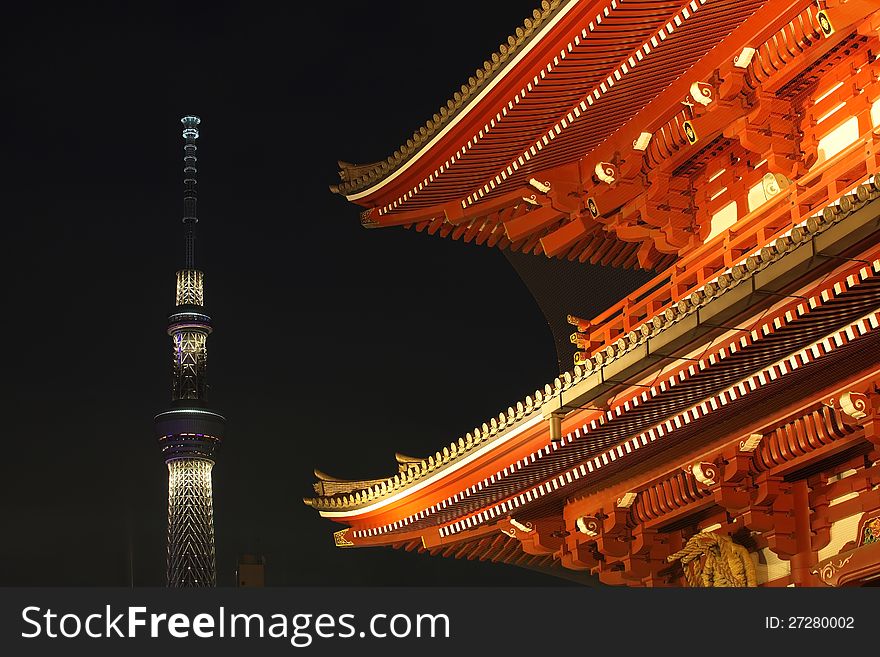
<point x="356" y="177"/>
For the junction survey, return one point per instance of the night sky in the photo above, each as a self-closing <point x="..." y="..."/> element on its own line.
<point x="334" y="346"/>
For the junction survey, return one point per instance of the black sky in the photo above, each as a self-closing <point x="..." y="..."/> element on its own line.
<point x="334" y="346"/>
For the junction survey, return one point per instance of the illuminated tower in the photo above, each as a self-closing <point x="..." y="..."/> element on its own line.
<point x="188" y="431"/>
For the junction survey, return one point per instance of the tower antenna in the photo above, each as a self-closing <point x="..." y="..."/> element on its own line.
<point x="190" y="218"/>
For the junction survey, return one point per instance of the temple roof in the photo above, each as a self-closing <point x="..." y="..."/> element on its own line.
<point x="844" y="298"/>
<point x="635" y="429"/>
<point x="571" y="76"/>
<point x="512" y="159"/>
<point x="356" y="177"/>
<point x="737" y="313"/>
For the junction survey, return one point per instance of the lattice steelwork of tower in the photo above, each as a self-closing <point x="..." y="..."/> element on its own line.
<point x="189" y="432"/>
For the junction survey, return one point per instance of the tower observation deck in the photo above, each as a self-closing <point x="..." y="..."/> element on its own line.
<point x="189" y="432"/>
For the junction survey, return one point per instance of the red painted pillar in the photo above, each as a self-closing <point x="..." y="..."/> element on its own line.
<point x="806" y="557"/>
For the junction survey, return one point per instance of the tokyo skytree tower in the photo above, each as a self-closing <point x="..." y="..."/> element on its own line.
<point x="189" y="432"/>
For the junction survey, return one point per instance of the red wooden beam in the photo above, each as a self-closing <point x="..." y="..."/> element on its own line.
<point x="531" y="222"/>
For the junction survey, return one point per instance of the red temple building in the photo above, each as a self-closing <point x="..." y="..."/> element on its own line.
<point x="719" y="425"/>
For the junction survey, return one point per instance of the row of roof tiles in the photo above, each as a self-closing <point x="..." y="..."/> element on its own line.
<point x="357" y="177"/>
<point x="666" y="407"/>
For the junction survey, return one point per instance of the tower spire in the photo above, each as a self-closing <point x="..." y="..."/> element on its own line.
<point x="190" y="218"/>
<point x="188" y="431"/>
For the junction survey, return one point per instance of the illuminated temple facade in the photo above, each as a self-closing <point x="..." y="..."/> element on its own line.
<point x="717" y="426"/>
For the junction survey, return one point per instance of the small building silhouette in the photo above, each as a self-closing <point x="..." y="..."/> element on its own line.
<point x="251" y="571"/>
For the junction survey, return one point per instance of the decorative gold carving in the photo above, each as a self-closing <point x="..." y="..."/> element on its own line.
<point x="642" y="141"/>
<point x="854" y="404"/>
<point x="523" y="527"/>
<point x="515" y="525"/>
<point x="704" y="472"/>
<point x="826" y="572"/>
<point x="743" y="59"/>
<point x="751" y="443"/>
<point x="588" y="525"/>
<point x="702" y="93"/>
<point x="542" y="187"/>
<point x="606" y="172"/>
<point x="870" y="532"/>
<point x="340" y="538"/>
<point x="714" y="561"/>
<point x="773" y="183"/>
<point x="626" y="500"/>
